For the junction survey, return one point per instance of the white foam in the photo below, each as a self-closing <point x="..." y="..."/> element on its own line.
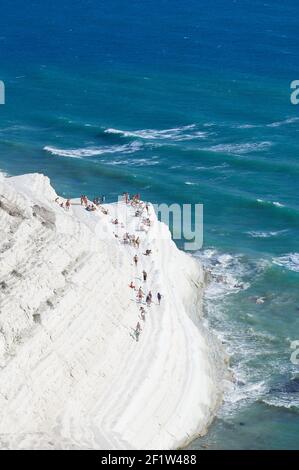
<point x="94" y="151"/>
<point x="240" y="149"/>
<point x="274" y="203"/>
<point x="246" y="126"/>
<point x="289" y="261"/>
<point x="215" y="167"/>
<point x="176" y="133"/>
<point x="278" y="204"/>
<point x="266" y="234"/>
<point x="283" y="123"/>
<point x="134" y="162"/>
<point x="225" y="271"/>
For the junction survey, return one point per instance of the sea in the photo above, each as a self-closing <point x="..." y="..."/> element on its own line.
<point x="185" y="102"/>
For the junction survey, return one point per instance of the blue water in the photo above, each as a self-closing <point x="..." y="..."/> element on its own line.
<point x="184" y="102"/>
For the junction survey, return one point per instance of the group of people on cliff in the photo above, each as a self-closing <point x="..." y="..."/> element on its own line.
<point x="139" y="207"/>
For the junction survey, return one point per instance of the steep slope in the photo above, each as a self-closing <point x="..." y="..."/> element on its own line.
<point x="72" y="373"/>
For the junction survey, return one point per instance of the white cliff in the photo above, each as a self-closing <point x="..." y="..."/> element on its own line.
<point x="72" y="374"/>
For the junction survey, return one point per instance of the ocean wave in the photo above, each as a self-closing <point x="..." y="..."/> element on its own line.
<point x="215" y="167"/>
<point x="289" y="261"/>
<point x="240" y="149"/>
<point x="177" y="134"/>
<point x="225" y="273"/>
<point x="245" y="126"/>
<point x="283" y="123"/>
<point x="134" y="162"/>
<point x="283" y="401"/>
<point x="273" y="203"/>
<point x="261" y="234"/>
<point x="229" y="275"/>
<point x="189" y="183"/>
<point x="271" y="124"/>
<point x="94" y="151"/>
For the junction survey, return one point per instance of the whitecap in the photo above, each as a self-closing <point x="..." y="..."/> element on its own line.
<point x="246" y="126"/>
<point x="93" y="151"/>
<point x="266" y="234"/>
<point x="274" y="203"/>
<point x="215" y="167"/>
<point x="278" y="204"/>
<point x="282" y="123"/>
<point x="178" y="134"/>
<point x="289" y="261"/>
<point x="240" y="149"/>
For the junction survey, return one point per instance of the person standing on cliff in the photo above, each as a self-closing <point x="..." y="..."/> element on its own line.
<point x="159" y="297"/>
<point x="148" y="300"/>
<point x="140" y="295"/>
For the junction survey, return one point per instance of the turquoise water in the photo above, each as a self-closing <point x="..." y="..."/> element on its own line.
<point x="184" y="103"/>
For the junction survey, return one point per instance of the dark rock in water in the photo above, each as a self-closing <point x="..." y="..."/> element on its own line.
<point x="242" y="424"/>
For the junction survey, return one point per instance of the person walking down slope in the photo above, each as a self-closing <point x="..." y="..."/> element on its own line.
<point x="144" y="274"/>
<point x="135" y="260"/>
<point x="142" y="313"/>
<point x="148" y="300"/>
<point x="68" y="205"/>
<point x="140" y="295"/>
<point x="159" y="297"/>
<point x="137" y="331"/>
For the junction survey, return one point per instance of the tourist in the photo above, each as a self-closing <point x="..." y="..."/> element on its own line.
<point x="137" y="242"/>
<point x="135" y="260"/>
<point x="140" y="295"/>
<point x="159" y="297"/>
<point x="142" y="313"/>
<point x="144" y="274"/>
